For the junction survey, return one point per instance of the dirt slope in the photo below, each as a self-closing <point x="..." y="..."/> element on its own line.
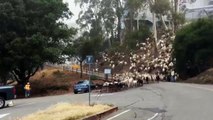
<point x="204" y="78"/>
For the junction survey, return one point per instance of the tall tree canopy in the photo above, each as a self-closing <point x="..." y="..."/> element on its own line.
<point x="109" y="15"/>
<point x="99" y="17"/>
<point x="31" y="34"/>
<point x="133" y="7"/>
<point x="193" y="48"/>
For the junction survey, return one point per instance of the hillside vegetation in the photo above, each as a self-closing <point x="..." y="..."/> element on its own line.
<point x="205" y="77"/>
<point x="53" y="81"/>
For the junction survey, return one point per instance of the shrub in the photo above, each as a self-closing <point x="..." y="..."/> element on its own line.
<point x="94" y="77"/>
<point x="193" y="48"/>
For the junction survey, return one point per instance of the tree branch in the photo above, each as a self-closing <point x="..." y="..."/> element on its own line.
<point x="35" y="71"/>
<point x="15" y="76"/>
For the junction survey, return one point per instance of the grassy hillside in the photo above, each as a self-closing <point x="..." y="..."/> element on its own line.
<point x="53" y="81"/>
<point x="203" y="78"/>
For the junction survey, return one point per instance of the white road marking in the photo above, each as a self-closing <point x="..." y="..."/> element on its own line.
<point x="98" y="95"/>
<point x="25" y="104"/>
<point x="4" y="115"/>
<point x="118" y="114"/>
<point x="153" y="117"/>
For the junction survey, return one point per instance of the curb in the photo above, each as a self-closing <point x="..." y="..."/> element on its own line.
<point x="100" y="115"/>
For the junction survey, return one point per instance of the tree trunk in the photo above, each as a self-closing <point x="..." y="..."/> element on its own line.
<point x="131" y="20"/>
<point x="176" y="3"/>
<point x="164" y="23"/>
<point x="154" y="28"/>
<point x="81" y="67"/>
<point x="4" y="80"/>
<point x="20" y="77"/>
<point x="109" y="42"/>
<point x="119" y="28"/>
<point x="138" y="24"/>
<point x="176" y="9"/>
<point x="119" y="14"/>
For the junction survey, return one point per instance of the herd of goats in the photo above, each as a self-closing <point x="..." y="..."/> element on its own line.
<point x="121" y="83"/>
<point x="145" y="65"/>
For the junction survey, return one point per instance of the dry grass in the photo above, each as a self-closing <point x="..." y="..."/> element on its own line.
<point x="46" y="73"/>
<point x="66" y="111"/>
<point x="205" y="77"/>
<point x="53" y="81"/>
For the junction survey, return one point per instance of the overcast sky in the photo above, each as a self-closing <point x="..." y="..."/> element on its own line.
<point x="75" y="9"/>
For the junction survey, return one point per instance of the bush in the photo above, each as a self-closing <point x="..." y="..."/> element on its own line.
<point x="94" y="77"/>
<point x="137" y="36"/>
<point x="193" y="48"/>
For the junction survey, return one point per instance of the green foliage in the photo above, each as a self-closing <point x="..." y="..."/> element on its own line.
<point x="135" y="4"/>
<point x="94" y="77"/>
<point x="83" y="46"/>
<point x="30" y="35"/>
<point x="193" y="48"/>
<point x="132" y="38"/>
<point x="178" y="18"/>
<point x="161" y="7"/>
<point x="118" y="48"/>
<point x="98" y="19"/>
<point x="107" y="16"/>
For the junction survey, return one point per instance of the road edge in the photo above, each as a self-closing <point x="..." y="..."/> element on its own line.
<point x="100" y="115"/>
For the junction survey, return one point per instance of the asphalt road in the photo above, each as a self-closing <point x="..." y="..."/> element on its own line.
<point x="163" y="101"/>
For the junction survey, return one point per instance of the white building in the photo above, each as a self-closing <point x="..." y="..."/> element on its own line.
<point x="197" y="8"/>
<point x="193" y="9"/>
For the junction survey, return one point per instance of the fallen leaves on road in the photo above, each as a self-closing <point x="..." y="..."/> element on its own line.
<point x="66" y="111"/>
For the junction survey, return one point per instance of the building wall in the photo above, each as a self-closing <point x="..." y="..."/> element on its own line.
<point x="195" y="4"/>
<point x="198" y="9"/>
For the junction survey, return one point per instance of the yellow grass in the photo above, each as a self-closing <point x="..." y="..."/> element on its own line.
<point x="46" y="73"/>
<point x="66" y="111"/>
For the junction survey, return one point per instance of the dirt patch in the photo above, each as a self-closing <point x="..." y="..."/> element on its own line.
<point x="203" y="78"/>
<point x="53" y="81"/>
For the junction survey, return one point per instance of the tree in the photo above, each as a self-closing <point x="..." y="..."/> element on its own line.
<point x="101" y="16"/>
<point x="193" y="48"/>
<point x="31" y="34"/>
<point x="133" y="7"/>
<point x="137" y="36"/>
<point x="177" y="17"/>
<point x="82" y="47"/>
<point x="161" y="8"/>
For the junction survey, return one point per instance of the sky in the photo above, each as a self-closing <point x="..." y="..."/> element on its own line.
<point x="75" y="9"/>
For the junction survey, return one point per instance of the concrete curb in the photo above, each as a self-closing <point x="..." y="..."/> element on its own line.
<point x="100" y="115"/>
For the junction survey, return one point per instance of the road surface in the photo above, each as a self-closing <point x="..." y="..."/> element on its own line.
<point x="163" y="101"/>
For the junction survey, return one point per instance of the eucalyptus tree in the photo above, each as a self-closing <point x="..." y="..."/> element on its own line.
<point x="106" y="13"/>
<point x="161" y="8"/>
<point x="177" y="16"/>
<point x="166" y="9"/>
<point x="134" y="7"/>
